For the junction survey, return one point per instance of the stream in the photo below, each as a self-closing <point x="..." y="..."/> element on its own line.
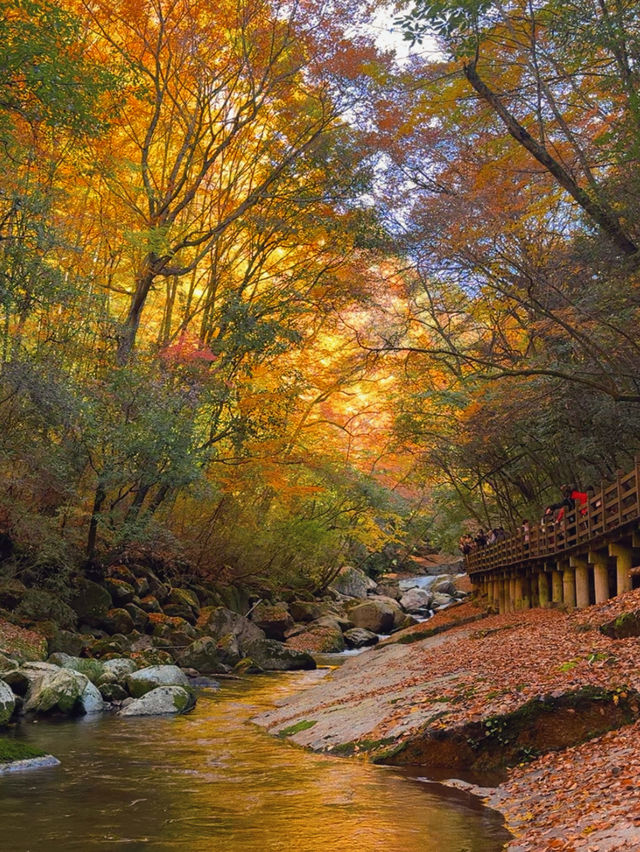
<point x="213" y="781"/>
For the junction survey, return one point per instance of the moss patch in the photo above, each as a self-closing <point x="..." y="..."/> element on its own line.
<point x="11" y="750"/>
<point x="304" y="725"/>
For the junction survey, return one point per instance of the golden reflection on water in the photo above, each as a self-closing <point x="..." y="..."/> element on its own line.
<point x="211" y="781"/>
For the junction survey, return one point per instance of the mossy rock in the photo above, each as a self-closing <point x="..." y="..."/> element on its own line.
<point x="152" y="657"/>
<point x="118" y="620"/>
<point x="113" y="692"/>
<point x="39" y="605"/>
<point x="12" y="750"/>
<point x="272" y="655"/>
<point x="91" y="602"/>
<point x="627" y="624"/>
<point x="121" y="592"/>
<point x="68" y="642"/>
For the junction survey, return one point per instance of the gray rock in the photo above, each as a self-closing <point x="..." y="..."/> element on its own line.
<point x="161" y="701"/>
<point x="219" y="622"/>
<point x="273" y="656"/>
<point x="7" y="703"/>
<point x="145" y="680"/>
<point x="358" y="637"/>
<point x="118" y="668"/>
<point x="416" y="600"/>
<point x="202" y="655"/>
<point x="273" y="619"/>
<point x="113" y="692"/>
<point x="64" y="690"/>
<point x="91" y="700"/>
<point x="440" y="600"/>
<point x="307" y="610"/>
<point x="374" y="615"/>
<point x="444" y="585"/>
<point x="353" y="582"/>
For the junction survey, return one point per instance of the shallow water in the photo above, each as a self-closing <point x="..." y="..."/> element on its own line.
<point x="213" y="781"/>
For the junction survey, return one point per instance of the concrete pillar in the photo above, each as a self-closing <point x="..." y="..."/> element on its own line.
<point x="532" y="590"/>
<point x="624" y="564"/>
<point x="568" y="585"/>
<point x="556" y="586"/>
<point x="544" y="595"/>
<point x="519" y="592"/>
<point x="581" y="567"/>
<point x="502" y="595"/>
<point x="600" y="575"/>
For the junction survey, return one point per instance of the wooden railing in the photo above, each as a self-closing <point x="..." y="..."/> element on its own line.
<point x="614" y="506"/>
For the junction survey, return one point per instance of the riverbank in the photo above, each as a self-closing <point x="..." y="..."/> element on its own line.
<point x="514" y="694"/>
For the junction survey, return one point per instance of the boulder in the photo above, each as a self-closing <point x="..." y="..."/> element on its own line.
<point x="358" y="637"/>
<point x="627" y="624"/>
<point x="389" y="588"/>
<point x="184" y="598"/>
<point x="273" y="656"/>
<point x="40" y="605"/>
<point x="307" y="610"/>
<point x="416" y="600"/>
<point x="113" y="692"/>
<point x="118" y="620"/>
<point x="157" y="588"/>
<point x="139" y="617"/>
<point x="91" y="602"/>
<point x="115" y="645"/>
<point x="11" y="592"/>
<point x="375" y="615"/>
<point x="121" y="592"/>
<point x="201" y="655"/>
<point x="353" y="582"/>
<point x="7" y="703"/>
<point x="150" y="604"/>
<point x="144" y="680"/>
<point x="444" y="585"/>
<point x="219" y="622"/>
<point x="319" y="637"/>
<point x="68" y="642"/>
<point x="273" y="619"/>
<point x="440" y="600"/>
<point x="174" y="630"/>
<point x="229" y="650"/>
<point x="62" y="690"/>
<point x="161" y="701"/>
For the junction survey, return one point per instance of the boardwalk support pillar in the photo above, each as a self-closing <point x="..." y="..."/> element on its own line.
<point x="568" y="584"/>
<point x="581" y="567"/>
<point x="556" y="586"/>
<point x="600" y="564"/>
<point x="543" y="588"/>
<point x="624" y="563"/>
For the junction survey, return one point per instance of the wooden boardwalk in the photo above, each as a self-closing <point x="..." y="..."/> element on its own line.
<point x="609" y="515"/>
<point x="583" y="559"/>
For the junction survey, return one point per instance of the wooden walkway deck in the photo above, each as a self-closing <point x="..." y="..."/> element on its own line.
<point x="611" y="513"/>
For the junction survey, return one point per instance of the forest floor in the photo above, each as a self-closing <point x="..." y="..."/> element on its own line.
<point x="432" y="688"/>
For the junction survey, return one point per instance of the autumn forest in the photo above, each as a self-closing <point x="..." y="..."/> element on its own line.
<point x="275" y="297"/>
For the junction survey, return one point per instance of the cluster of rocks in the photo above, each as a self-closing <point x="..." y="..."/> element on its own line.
<point x="133" y="627"/>
<point x="132" y="614"/>
<point x="76" y="686"/>
<point x="355" y="613"/>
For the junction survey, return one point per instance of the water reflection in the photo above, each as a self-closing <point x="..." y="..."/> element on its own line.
<point x="210" y="781"/>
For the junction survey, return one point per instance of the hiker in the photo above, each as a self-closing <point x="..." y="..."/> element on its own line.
<point x="481" y="538"/>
